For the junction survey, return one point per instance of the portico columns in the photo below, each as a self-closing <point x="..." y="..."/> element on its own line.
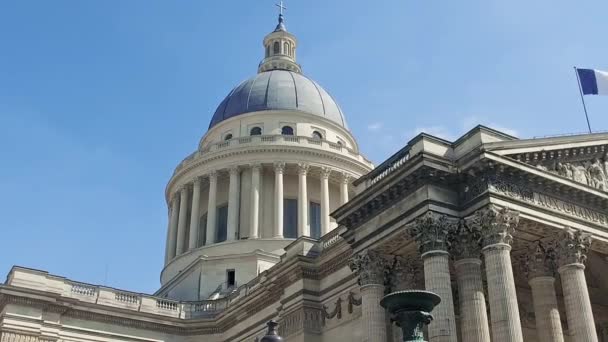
<point x="344" y="188"/>
<point x="325" y="172"/>
<point x="539" y="267"/>
<point x="172" y="233"/>
<point x="181" y="225"/>
<point x="303" y="228"/>
<point x="370" y="267"/>
<point x="466" y="250"/>
<point x="279" y="168"/>
<point x="195" y="212"/>
<point x="211" y="208"/>
<point x="572" y="254"/>
<point x="430" y="232"/>
<point x="497" y="226"/>
<point x="255" y="201"/>
<point x="233" y="203"/>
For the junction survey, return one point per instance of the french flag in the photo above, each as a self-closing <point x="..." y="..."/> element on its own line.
<point x="593" y="82"/>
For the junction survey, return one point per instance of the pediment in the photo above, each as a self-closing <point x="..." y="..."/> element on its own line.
<point x="577" y="158"/>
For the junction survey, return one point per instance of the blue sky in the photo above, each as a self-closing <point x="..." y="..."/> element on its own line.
<point x="99" y="100"/>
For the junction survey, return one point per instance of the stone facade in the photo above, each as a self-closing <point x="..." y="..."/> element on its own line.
<point x="512" y="234"/>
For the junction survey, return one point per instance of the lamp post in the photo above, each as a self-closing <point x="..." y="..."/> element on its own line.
<point x="411" y="310"/>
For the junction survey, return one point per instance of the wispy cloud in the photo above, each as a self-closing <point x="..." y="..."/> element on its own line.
<point x="472" y="120"/>
<point x="375" y="126"/>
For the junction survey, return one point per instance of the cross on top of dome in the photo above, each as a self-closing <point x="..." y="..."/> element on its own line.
<point x="281" y="25"/>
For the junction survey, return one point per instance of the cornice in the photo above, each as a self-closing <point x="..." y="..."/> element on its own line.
<point x="349" y="164"/>
<point x="435" y="166"/>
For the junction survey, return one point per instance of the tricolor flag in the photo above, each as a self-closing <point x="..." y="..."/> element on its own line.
<point x="593" y="82"/>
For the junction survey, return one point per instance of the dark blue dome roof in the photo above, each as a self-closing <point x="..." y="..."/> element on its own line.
<point x="279" y="90"/>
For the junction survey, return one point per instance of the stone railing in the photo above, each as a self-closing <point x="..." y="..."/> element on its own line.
<point x="386" y="168"/>
<point x="331" y="239"/>
<point x="102" y="295"/>
<point x="280" y="140"/>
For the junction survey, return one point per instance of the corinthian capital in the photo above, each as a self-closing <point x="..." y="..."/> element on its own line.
<point x="405" y="274"/>
<point x="540" y="260"/>
<point x="573" y="246"/>
<point x="371" y="267"/>
<point x="496" y="225"/>
<point x="465" y="241"/>
<point x="302" y="168"/>
<point x="431" y="232"/>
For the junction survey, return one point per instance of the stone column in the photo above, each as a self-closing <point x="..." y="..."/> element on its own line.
<point x="430" y="232"/>
<point x="195" y="213"/>
<point x="172" y="233"/>
<point x="255" y="201"/>
<point x="497" y="226"/>
<point x="279" y="168"/>
<point x="303" y="228"/>
<point x="370" y="266"/>
<point x="325" y="172"/>
<point x="211" y="208"/>
<point x="466" y="250"/>
<point x="181" y="225"/>
<point x="572" y="255"/>
<point x="539" y="265"/>
<point x="344" y="188"/>
<point x="233" y="203"/>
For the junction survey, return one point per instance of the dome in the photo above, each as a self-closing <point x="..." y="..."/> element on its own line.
<point x="279" y="90"/>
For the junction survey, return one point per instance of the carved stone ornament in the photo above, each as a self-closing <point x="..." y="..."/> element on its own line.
<point x="279" y="167"/>
<point x="431" y="232"/>
<point x="496" y="225"/>
<point x="371" y="267"/>
<point x="405" y="274"/>
<point x="573" y="246"/>
<point x="592" y="172"/>
<point x="465" y="241"/>
<point x="540" y="260"/>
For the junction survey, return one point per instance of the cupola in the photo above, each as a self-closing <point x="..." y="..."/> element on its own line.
<point x="280" y="49"/>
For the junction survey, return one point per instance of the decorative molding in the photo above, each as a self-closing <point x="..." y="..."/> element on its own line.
<point x="430" y="231"/>
<point x="337" y="312"/>
<point x="405" y="274"/>
<point x="279" y="167"/>
<point x="465" y="241"/>
<point x="523" y="192"/>
<point x="303" y="169"/>
<point x="346" y="178"/>
<point x="497" y="225"/>
<point x="371" y="267"/>
<point x="325" y="172"/>
<point x="585" y="165"/>
<point x="352" y="302"/>
<point x="540" y="260"/>
<point x="573" y="246"/>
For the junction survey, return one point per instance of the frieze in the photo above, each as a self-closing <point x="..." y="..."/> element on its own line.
<point x="519" y="191"/>
<point x="588" y="166"/>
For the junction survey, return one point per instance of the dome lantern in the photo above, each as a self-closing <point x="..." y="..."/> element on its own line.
<point x="280" y="48"/>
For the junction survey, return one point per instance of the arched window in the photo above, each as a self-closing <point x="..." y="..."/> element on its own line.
<point x="228" y="136"/>
<point x="340" y="143"/>
<point x="287" y="130"/>
<point x="286" y="48"/>
<point x="317" y="135"/>
<point x="277" y="48"/>
<point x="255" y="131"/>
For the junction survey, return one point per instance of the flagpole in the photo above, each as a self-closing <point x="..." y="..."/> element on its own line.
<point x="580" y="88"/>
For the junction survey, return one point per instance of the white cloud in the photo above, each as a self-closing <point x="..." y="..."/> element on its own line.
<point x="375" y="126"/>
